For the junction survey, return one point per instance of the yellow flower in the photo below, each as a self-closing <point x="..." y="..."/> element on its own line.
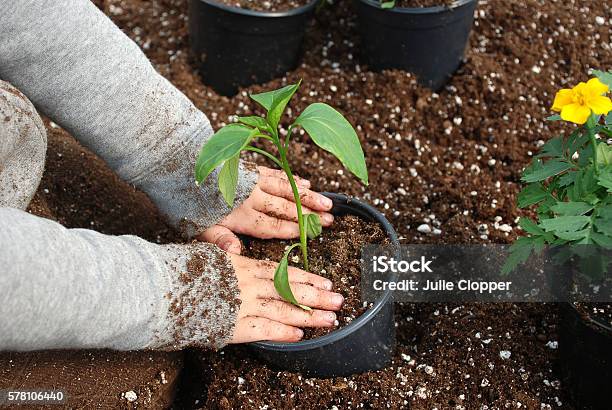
<point x="576" y="104"/>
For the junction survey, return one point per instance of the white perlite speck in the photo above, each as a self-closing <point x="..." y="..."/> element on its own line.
<point x="424" y="228"/>
<point x="505" y="354"/>
<point x="130" y="396"/>
<point x="552" y="344"/>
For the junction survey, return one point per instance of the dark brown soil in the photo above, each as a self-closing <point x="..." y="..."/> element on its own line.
<point x="450" y="160"/>
<point x="335" y="255"/>
<point x="266" y="5"/>
<point x="96" y="379"/>
<point x="447" y="356"/>
<point x="423" y="3"/>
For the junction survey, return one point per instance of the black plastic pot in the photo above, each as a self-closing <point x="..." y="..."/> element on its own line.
<point x="367" y="343"/>
<point x="585" y="346"/>
<point x="235" y="47"/>
<point x="428" y="42"/>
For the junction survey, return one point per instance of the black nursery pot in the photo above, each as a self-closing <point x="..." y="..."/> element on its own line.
<point x="365" y="344"/>
<point x="428" y="41"/>
<point x="586" y="358"/>
<point x="234" y="47"/>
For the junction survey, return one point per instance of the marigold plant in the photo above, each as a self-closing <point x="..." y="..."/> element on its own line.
<point x="570" y="181"/>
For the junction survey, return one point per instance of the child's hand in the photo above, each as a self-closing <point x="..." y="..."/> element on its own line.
<point x="269" y="212"/>
<point x="264" y="315"/>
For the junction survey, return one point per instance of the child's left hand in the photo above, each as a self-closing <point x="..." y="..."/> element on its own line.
<point x="269" y="212"/>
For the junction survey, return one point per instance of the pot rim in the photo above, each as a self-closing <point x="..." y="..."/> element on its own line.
<point x="419" y="10"/>
<point x="361" y="320"/>
<point x="590" y="320"/>
<point x="252" y="13"/>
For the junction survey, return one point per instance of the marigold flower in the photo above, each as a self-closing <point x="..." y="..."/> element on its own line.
<point x="576" y="104"/>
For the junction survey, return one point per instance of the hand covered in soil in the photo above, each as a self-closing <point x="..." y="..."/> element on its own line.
<point x="264" y="315"/>
<point x="269" y="213"/>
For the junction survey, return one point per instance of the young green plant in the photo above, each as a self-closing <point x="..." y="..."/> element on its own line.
<point x="570" y="181"/>
<point x="325" y="126"/>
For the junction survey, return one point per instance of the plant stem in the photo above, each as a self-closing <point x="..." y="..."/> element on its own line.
<point x="298" y="204"/>
<point x="594" y="144"/>
<point x="265" y="154"/>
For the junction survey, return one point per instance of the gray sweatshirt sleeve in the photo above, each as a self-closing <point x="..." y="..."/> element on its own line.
<point x="79" y="69"/>
<point x="75" y="288"/>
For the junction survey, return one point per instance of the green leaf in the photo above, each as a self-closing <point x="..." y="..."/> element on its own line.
<point x="519" y="253"/>
<point x="604" y="226"/>
<point x="567" y="179"/>
<point x="604" y="178"/>
<point x="544" y="206"/>
<point x="584" y="155"/>
<point x="604" y="154"/>
<point x="575" y="141"/>
<point x="574" y="236"/>
<point x="585" y="184"/>
<point x="555" y="117"/>
<point x="228" y="179"/>
<point x="281" y="279"/>
<point x="388" y="4"/>
<point x="564" y="223"/>
<point x="604" y="77"/>
<point x="531" y="194"/>
<point x="313" y="225"/>
<point x="602" y="240"/>
<point x="540" y="171"/>
<point x="333" y="133"/>
<point x="255" y="121"/>
<point x="223" y="145"/>
<point x="552" y="148"/>
<point x="275" y="102"/>
<point x="571" y="208"/>
<point x="530" y="227"/>
<point x="609" y="117"/>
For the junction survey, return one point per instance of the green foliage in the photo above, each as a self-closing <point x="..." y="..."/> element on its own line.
<point x="275" y="102"/>
<point x="604" y="77"/>
<point x="333" y="133"/>
<point x="255" y="122"/>
<point x="325" y="126"/>
<point x="313" y="226"/>
<point x="539" y="170"/>
<point x="571" y="194"/>
<point x="228" y="142"/>
<point x="228" y="179"/>
<point x="281" y="279"/>
<point x="387" y="4"/>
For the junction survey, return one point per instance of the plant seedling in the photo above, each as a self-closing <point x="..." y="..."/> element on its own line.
<point x="570" y="181"/>
<point x="325" y="126"/>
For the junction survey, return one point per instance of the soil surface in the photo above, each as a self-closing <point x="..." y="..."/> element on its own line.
<point x="96" y="379"/>
<point x="444" y="168"/>
<point x="266" y="5"/>
<point x="335" y="255"/>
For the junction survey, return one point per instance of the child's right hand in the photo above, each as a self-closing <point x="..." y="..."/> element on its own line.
<point x="264" y="315"/>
